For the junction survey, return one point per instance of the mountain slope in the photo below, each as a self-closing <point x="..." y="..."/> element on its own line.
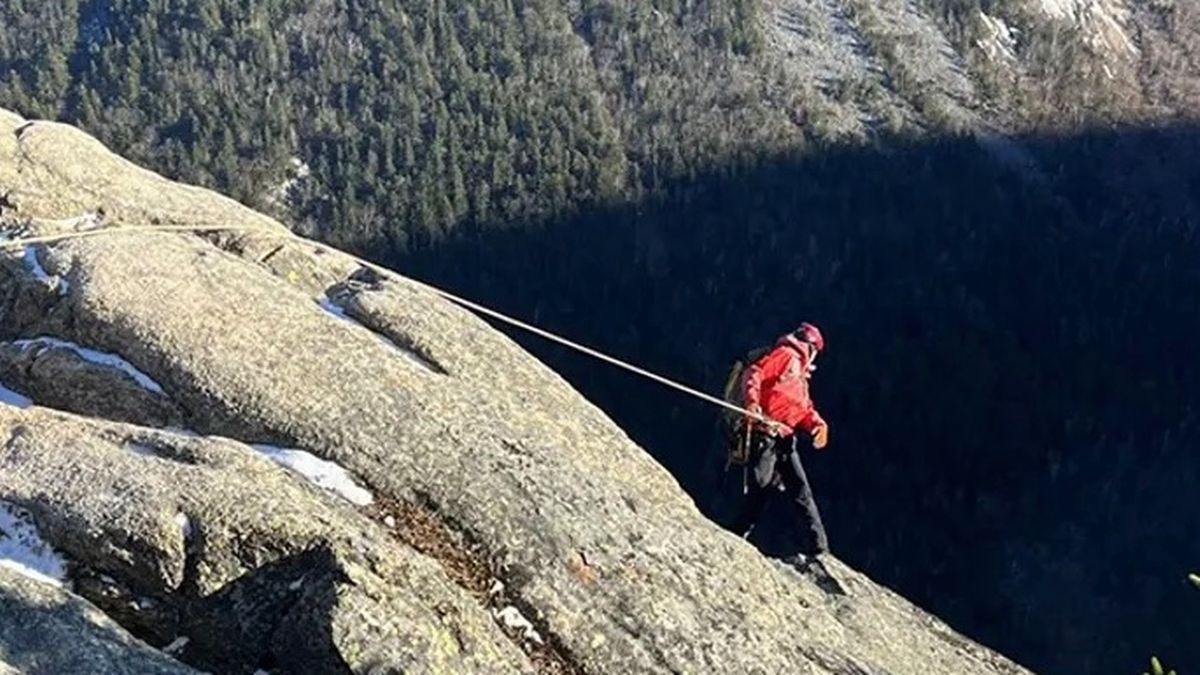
<point x="425" y="406"/>
<point x="988" y="205"/>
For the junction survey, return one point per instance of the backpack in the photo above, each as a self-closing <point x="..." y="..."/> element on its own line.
<point x="733" y="423"/>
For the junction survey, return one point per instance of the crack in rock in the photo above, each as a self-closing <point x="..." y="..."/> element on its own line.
<point x="420" y="527"/>
<point x="338" y="302"/>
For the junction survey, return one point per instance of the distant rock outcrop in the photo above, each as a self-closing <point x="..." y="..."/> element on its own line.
<point x="464" y="510"/>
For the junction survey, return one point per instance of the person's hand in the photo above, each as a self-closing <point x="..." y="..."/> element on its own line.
<point x="820" y="436"/>
<point x="775" y="429"/>
<point x="756" y="414"/>
<point x="770" y="426"/>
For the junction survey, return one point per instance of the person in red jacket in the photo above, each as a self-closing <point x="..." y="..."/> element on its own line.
<point x="776" y="386"/>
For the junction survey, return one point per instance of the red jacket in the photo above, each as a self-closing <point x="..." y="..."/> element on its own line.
<point x="778" y="382"/>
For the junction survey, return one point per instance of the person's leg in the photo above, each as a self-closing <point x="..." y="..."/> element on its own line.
<point x="752" y="505"/>
<point x="810" y="529"/>
<point x="759" y="480"/>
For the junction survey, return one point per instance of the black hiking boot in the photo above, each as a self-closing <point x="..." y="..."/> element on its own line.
<point x="810" y="565"/>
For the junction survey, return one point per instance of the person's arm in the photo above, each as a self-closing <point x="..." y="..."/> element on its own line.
<point x="816" y="427"/>
<point x="813" y="423"/>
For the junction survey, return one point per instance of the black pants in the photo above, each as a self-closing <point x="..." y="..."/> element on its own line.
<point x="775" y="466"/>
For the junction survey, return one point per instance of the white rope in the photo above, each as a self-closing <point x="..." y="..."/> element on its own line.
<point x="286" y="234"/>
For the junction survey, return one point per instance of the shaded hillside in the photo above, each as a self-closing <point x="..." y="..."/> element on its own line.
<point x="1009" y="379"/>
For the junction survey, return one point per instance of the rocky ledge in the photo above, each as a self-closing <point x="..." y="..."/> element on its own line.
<point x="240" y="452"/>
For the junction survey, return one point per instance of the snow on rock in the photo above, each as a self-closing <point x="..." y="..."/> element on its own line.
<point x="299" y="168"/>
<point x="329" y="306"/>
<point x="337" y="311"/>
<point x="140" y="449"/>
<point x="29" y="258"/>
<point x="90" y="220"/>
<point x="1103" y="20"/>
<point x="176" y="645"/>
<point x="1000" y="41"/>
<point x="185" y="525"/>
<point x="1059" y="9"/>
<point x="512" y="618"/>
<point x="31" y="261"/>
<point x="12" y="398"/>
<point x="22" y="548"/>
<point x="1109" y="19"/>
<point x="97" y="357"/>
<point x="298" y="174"/>
<point x="34" y="265"/>
<point x="324" y="474"/>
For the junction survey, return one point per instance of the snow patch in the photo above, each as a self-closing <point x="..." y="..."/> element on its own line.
<point x="23" y="549"/>
<point x="300" y="169"/>
<point x="1111" y="29"/>
<point x="298" y="174"/>
<point x="334" y="309"/>
<point x="1000" y="41"/>
<point x="176" y="645"/>
<point x="1059" y="9"/>
<point x="34" y="265"/>
<point x="179" y="431"/>
<point x="88" y="221"/>
<point x="322" y="473"/>
<point x="12" y="398"/>
<point x="93" y="356"/>
<point x="512" y="619"/>
<point x="185" y="525"/>
<point x="1102" y="20"/>
<point x="140" y="449"/>
<point x="29" y="258"/>
<point x="337" y="311"/>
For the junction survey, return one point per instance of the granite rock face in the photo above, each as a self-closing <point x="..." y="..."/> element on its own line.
<point x="45" y="629"/>
<point x="593" y="558"/>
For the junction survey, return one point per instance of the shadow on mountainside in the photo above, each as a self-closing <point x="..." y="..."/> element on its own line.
<point x="1010" y="380"/>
